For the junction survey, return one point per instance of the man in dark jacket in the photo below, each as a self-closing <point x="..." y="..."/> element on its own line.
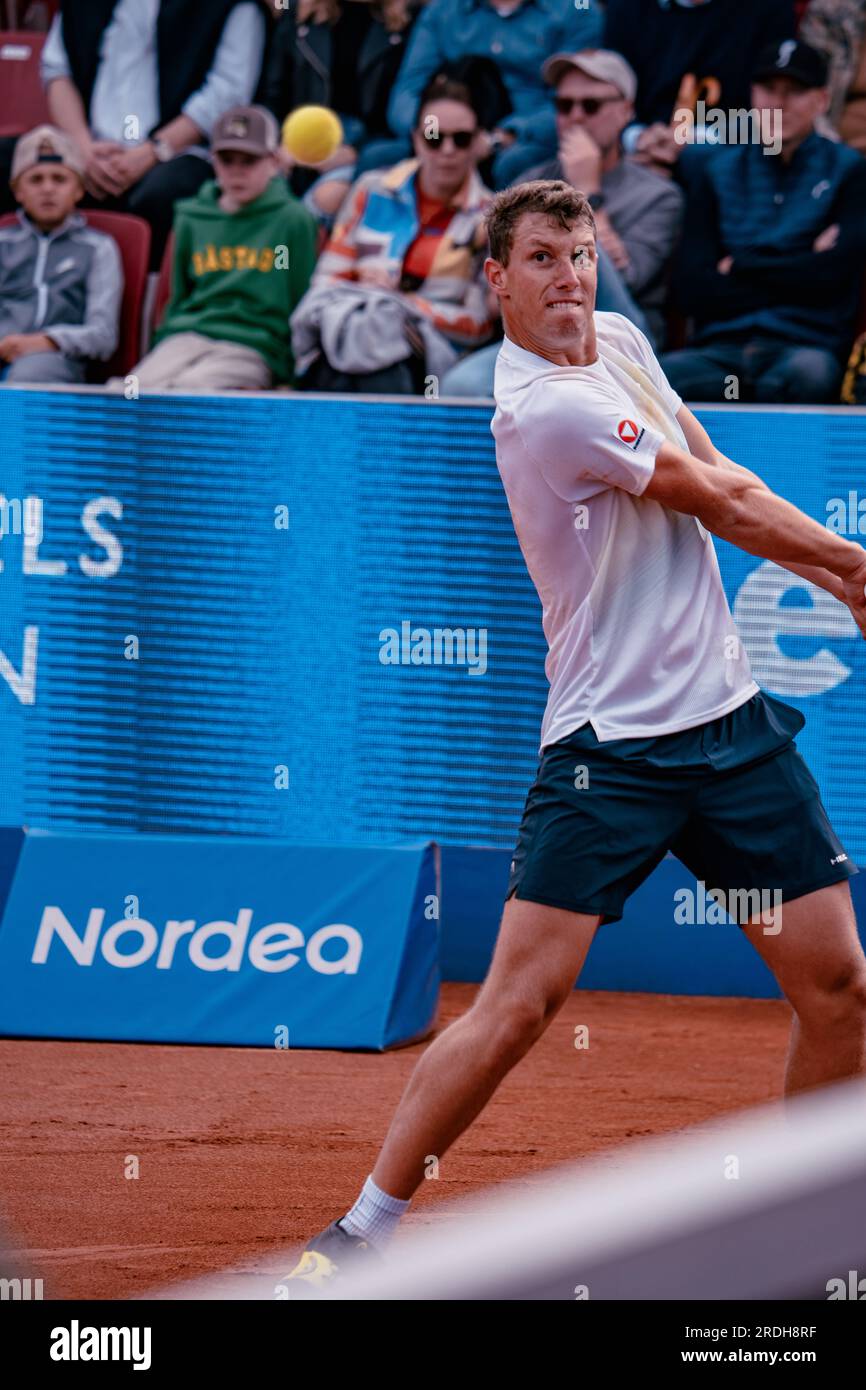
<point x="681" y="49"/>
<point x="139" y="84"/>
<point x="772" y="261"/>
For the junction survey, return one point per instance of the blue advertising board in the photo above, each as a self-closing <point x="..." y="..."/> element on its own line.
<point x="191" y="939"/>
<point x="309" y="618"/>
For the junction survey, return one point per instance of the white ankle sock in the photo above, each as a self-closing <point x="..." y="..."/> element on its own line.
<point x="375" y="1215"/>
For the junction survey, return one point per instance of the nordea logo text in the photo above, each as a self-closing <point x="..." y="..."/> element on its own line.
<point x="273" y="948"/>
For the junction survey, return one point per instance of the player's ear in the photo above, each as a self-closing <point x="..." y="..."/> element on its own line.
<point x="496" y="274"/>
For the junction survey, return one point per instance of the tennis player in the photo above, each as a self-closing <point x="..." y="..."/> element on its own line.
<point x="655" y="736"/>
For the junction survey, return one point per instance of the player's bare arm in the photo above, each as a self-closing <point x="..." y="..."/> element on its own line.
<point x="736" y="505"/>
<point x="703" y="448"/>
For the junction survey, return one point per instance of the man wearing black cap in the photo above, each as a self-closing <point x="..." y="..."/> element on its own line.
<point x="772" y="262"/>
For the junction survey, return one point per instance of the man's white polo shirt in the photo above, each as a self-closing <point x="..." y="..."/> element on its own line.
<point x="641" y="639"/>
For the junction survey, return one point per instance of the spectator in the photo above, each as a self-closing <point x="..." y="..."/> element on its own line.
<point x="772" y="262"/>
<point x="682" y="48"/>
<point x="637" y="213"/>
<point x="345" y="55"/>
<point x="138" y="84"/>
<point x="244" y="251"/>
<point x="61" y="282"/>
<point x="838" y="29"/>
<point x="517" y="35"/>
<point x="490" y="102"/>
<point x="400" y="283"/>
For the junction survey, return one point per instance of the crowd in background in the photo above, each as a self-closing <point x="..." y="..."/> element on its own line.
<point x="738" y="248"/>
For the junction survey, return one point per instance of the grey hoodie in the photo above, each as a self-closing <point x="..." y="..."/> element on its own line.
<point x="68" y="282"/>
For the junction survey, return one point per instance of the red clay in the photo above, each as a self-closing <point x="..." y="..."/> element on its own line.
<point x="244" y="1150"/>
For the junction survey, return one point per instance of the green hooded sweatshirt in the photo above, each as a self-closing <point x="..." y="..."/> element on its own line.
<point x="237" y="276"/>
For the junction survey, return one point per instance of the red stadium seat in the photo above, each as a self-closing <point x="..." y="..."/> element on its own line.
<point x="132" y="235"/>
<point x="163" y="286"/>
<point x="23" y="104"/>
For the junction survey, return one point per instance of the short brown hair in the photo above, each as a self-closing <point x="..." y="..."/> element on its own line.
<point x="557" y="200"/>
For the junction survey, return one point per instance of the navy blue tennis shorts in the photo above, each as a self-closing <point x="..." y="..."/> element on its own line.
<point x="732" y="799"/>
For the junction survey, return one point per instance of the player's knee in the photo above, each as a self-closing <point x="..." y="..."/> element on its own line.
<point x="836" y="1002"/>
<point x="516" y="1022"/>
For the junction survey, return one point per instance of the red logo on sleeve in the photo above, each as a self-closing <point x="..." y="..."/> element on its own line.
<point x="630" y="433"/>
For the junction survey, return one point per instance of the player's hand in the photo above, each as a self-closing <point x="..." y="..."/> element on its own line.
<point x="854" y="588"/>
<point x="580" y="158"/>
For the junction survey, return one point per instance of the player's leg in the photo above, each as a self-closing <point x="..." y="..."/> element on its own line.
<point x="818" y="961"/>
<point x="596" y="822"/>
<point x="539" y="953"/>
<point x="538" y="957"/>
<point x="760" y="834"/>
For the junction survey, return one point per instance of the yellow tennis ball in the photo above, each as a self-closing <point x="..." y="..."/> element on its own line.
<point x="312" y="133"/>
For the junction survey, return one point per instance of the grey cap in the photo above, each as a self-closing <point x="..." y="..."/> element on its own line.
<point x="602" y="63"/>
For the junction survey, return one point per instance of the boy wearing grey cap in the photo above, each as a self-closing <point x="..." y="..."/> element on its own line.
<point x="61" y="282"/>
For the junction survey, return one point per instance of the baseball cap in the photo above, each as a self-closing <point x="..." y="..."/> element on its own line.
<point x="602" y="63"/>
<point x="45" y="145"/>
<point x="250" y="129"/>
<point x="790" y="58"/>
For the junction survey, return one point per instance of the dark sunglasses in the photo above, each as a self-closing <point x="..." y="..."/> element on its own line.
<point x="591" y="105"/>
<point x="462" y="139"/>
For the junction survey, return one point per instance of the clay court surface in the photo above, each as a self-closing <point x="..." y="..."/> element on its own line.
<point x="243" y="1151"/>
